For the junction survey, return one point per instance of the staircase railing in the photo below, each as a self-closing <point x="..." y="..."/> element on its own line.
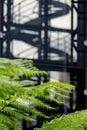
<point x="24" y="11"/>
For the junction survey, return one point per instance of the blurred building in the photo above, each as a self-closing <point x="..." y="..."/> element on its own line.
<point x="53" y="34"/>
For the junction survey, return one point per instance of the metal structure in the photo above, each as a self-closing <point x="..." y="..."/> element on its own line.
<point x="1" y="26"/>
<point x="77" y="72"/>
<point x="42" y="29"/>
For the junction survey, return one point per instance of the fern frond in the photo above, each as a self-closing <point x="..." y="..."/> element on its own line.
<point x="13" y="87"/>
<point x="73" y="121"/>
<point x="59" y="86"/>
<point x="15" y="68"/>
<point x="39" y="94"/>
<point x="40" y="104"/>
<point x="15" y="113"/>
<point x="27" y="109"/>
<point x="7" y="121"/>
<point x="45" y="90"/>
<point x="3" y="126"/>
<point x="57" y="94"/>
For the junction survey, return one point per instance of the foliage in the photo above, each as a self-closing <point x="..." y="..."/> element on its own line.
<point x="73" y="121"/>
<point x="20" y="97"/>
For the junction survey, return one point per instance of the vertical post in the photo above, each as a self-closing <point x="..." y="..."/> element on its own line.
<point x="85" y="43"/>
<point x="78" y="74"/>
<point x="81" y="54"/>
<point x="72" y="31"/>
<point x="81" y="32"/>
<point x="46" y="22"/>
<point x="8" y="28"/>
<point x="40" y="15"/>
<point x="85" y="91"/>
<point x="1" y="28"/>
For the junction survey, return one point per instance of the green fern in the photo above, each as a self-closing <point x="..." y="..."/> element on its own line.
<point x="18" y="68"/>
<point x="73" y="121"/>
<point x="7" y="123"/>
<point x="20" y="97"/>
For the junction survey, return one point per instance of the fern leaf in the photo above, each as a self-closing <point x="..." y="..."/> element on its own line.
<point x="40" y="104"/>
<point x="13" y="88"/>
<point x="27" y="109"/>
<point x="3" y="126"/>
<point x="5" y="120"/>
<point x="73" y="121"/>
<point x="14" y="113"/>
